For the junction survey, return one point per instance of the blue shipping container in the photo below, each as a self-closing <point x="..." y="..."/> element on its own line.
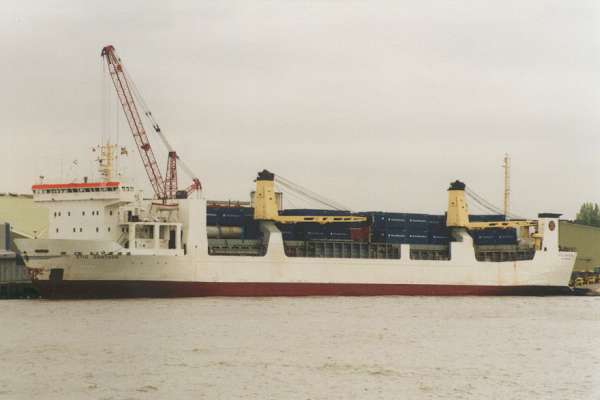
<point x="339" y="235"/>
<point x="229" y="216"/>
<point x="309" y="211"/>
<point x="439" y="239"/>
<point x="486" y="217"/>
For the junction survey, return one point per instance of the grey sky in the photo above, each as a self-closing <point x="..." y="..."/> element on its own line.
<point x="378" y="105"/>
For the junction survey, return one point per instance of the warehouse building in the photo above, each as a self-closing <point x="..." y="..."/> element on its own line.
<point x="585" y="240"/>
<point x="20" y="217"/>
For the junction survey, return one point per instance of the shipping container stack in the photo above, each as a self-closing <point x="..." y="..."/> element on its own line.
<point x="408" y="228"/>
<point x="381" y="227"/>
<point x="492" y="236"/>
<point x="315" y="231"/>
<point x="235" y="216"/>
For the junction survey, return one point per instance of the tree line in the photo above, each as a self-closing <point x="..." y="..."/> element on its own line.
<point x="589" y="214"/>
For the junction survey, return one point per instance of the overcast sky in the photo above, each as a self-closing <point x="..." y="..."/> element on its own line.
<point x="378" y="105"/>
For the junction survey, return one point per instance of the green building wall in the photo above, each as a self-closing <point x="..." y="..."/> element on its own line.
<point x="25" y="217"/>
<point x="585" y="240"/>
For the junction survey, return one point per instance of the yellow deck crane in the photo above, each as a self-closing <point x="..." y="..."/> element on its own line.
<point x="265" y="205"/>
<point x="458" y="216"/>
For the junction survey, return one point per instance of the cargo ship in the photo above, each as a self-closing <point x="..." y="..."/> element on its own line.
<point x="106" y="239"/>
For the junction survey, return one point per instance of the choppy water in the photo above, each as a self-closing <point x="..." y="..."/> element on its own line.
<point x="305" y="348"/>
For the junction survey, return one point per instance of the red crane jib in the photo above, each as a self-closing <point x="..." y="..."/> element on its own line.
<point x="171" y="176"/>
<point x="123" y="88"/>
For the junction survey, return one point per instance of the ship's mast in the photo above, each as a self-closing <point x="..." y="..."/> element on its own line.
<point x="106" y="161"/>
<point x="506" y="167"/>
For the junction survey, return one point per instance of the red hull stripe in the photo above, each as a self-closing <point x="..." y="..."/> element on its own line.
<point x="74" y="185"/>
<point x="129" y="289"/>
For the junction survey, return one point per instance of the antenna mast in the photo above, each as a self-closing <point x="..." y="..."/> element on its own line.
<point x="106" y="161"/>
<point x="506" y="167"/>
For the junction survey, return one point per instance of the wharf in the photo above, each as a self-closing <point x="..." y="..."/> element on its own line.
<point x="14" y="281"/>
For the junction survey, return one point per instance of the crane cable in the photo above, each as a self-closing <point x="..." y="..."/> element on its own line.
<point x="313" y="195"/>
<point x="148" y="114"/>
<point x="292" y="189"/>
<point x="289" y="195"/>
<point x="481" y="201"/>
<point x="300" y="190"/>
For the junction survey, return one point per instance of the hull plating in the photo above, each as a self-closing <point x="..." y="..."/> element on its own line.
<point x="135" y="289"/>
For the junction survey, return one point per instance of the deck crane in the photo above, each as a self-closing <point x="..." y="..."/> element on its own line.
<point x="265" y="206"/>
<point x="458" y="217"/>
<point x="165" y="188"/>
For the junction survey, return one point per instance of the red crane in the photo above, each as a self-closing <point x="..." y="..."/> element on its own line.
<point x="164" y="188"/>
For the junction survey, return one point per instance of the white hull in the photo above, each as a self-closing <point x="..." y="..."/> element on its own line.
<point x="61" y="265"/>
<point x="546" y="269"/>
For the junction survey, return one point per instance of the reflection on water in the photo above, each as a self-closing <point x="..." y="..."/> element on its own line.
<point x="302" y="348"/>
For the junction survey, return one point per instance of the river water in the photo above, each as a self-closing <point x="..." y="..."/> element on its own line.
<point x="302" y="348"/>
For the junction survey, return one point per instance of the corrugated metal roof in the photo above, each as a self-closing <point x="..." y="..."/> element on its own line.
<point x="24" y="216"/>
